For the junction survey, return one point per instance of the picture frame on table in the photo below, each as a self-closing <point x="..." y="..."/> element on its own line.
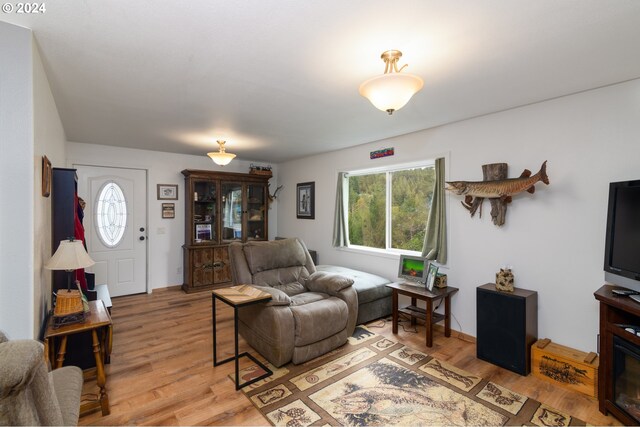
<point x="305" y="200"/>
<point x="167" y="191"/>
<point x="432" y="272"/>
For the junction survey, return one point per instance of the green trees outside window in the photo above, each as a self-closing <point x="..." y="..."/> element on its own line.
<point x="403" y="196"/>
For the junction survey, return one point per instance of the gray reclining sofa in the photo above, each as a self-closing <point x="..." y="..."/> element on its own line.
<point x="311" y="312"/>
<point x="29" y="394"/>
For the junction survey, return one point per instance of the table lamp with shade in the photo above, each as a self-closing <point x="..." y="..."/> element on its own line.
<point x="69" y="256"/>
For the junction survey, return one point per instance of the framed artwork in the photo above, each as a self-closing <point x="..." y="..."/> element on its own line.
<point x="167" y="191"/>
<point x="168" y="210"/>
<point x="46" y="177"/>
<point x="305" y="200"/>
<point x="203" y="232"/>
<point x="431" y="276"/>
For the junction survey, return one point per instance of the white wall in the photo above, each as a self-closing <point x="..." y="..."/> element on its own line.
<point x="16" y="185"/>
<point x="49" y="140"/>
<point x="30" y="127"/>
<point x="554" y="239"/>
<point x="165" y="250"/>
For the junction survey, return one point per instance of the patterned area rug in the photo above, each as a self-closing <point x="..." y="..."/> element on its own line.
<point x="376" y="381"/>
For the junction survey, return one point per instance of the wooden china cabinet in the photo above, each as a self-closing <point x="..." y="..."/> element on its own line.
<point x="221" y="207"/>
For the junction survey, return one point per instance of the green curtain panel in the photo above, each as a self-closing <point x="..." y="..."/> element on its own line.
<point x="340" y="225"/>
<point x="435" y="238"/>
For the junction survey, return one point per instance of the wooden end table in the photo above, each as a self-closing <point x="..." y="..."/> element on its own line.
<point x="98" y="322"/>
<point x="236" y="297"/>
<point x="428" y="315"/>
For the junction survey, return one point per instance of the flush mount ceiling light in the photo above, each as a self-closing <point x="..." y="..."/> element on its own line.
<point x="392" y="90"/>
<point x="221" y="157"/>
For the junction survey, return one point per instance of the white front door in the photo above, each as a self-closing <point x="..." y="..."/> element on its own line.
<point x="115" y="224"/>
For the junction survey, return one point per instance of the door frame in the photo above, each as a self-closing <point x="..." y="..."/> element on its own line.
<point x="73" y="164"/>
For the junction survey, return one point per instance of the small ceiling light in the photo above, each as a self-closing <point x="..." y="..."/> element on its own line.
<point x="392" y="90"/>
<point x="221" y="157"/>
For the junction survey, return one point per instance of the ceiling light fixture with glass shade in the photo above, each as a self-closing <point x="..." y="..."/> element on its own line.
<point x="221" y="157"/>
<point x="392" y="90"/>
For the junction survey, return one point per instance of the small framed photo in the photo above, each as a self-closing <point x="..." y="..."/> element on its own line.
<point x="167" y="191"/>
<point x="168" y="210"/>
<point x="46" y="177"/>
<point x="432" y="272"/>
<point x="203" y="232"/>
<point x="305" y="200"/>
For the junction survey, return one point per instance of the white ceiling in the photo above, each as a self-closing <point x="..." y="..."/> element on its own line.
<point x="279" y="79"/>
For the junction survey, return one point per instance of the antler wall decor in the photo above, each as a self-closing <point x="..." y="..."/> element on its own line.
<point x="274" y="196"/>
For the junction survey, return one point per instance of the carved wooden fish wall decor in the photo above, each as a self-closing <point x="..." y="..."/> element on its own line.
<point x="503" y="188"/>
<point x="498" y="191"/>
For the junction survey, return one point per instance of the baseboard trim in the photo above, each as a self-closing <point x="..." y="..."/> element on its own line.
<point x="456" y="334"/>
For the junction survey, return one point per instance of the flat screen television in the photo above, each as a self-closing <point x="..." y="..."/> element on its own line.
<point x="412" y="268"/>
<point x="622" y="244"/>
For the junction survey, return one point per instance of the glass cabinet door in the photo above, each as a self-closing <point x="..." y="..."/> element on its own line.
<point x="256" y="226"/>
<point x="231" y="211"/>
<point x="204" y="212"/>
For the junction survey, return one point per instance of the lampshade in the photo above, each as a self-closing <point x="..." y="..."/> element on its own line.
<point x="69" y="256"/>
<point x="392" y="90"/>
<point x="221" y="157"/>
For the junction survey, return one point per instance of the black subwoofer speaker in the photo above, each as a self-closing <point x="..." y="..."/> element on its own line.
<point x="507" y="326"/>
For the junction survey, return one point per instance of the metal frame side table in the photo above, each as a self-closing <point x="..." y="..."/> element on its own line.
<point x="236" y="297"/>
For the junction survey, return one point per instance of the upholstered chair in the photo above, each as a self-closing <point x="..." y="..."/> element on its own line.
<point x="310" y="313"/>
<point x="29" y="394"/>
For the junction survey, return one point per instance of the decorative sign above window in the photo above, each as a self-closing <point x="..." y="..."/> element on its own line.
<point x="381" y="153"/>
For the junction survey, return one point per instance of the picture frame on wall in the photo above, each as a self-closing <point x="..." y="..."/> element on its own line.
<point x="46" y="177"/>
<point x="167" y="191"/>
<point x="168" y="210"/>
<point x="305" y="200"/>
<point x="432" y="272"/>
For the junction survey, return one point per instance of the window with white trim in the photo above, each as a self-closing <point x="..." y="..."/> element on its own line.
<point x="388" y="208"/>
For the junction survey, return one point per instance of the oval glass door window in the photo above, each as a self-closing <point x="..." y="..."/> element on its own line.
<point x="111" y="214"/>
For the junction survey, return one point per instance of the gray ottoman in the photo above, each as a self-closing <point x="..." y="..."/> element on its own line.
<point x="374" y="298"/>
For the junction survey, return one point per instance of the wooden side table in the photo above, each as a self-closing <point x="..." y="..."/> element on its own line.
<point x="421" y="293"/>
<point x="99" y="323"/>
<point x="236" y="297"/>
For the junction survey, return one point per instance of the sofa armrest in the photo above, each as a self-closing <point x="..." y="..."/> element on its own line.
<point x="67" y="383"/>
<point x="269" y="330"/>
<point x="19" y="362"/>
<point x="277" y="296"/>
<point x="328" y="283"/>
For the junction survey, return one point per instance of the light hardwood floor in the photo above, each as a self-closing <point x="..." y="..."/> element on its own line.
<point x="161" y="370"/>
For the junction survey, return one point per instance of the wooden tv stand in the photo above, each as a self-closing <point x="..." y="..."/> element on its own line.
<point x="614" y="310"/>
